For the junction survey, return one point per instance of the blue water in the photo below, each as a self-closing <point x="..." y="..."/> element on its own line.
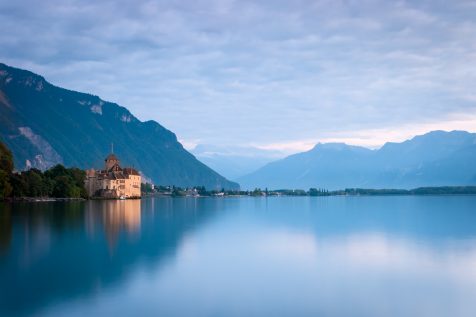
<point x="281" y="256"/>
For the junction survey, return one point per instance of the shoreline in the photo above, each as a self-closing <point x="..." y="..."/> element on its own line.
<point x="66" y="199"/>
<point x="43" y="199"/>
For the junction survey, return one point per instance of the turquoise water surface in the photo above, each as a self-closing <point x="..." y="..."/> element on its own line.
<point x="280" y="256"/>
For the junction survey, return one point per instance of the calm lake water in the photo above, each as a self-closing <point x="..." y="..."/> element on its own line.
<point x="282" y="256"/>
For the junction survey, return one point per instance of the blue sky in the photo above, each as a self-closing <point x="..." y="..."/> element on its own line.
<point x="279" y="75"/>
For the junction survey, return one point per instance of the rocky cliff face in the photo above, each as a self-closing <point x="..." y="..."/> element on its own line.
<point x="44" y="125"/>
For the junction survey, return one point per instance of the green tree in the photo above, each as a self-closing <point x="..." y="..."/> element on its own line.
<point x="146" y="188"/>
<point x="63" y="187"/>
<point x="66" y="182"/>
<point x="256" y="192"/>
<point x="19" y="185"/>
<point x="313" y="192"/>
<point x="6" y="168"/>
<point x="78" y="176"/>
<point x="34" y="181"/>
<point x="58" y="181"/>
<point x="56" y="171"/>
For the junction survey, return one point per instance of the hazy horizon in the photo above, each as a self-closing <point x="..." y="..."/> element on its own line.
<point x="244" y="150"/>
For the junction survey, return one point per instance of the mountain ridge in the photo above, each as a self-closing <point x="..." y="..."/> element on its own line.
<point x="432" y="159"/>
<point x="44" y="125"/>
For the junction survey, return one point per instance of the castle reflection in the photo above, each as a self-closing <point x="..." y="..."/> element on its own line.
<point x="72" y="256"/>
<point x="37" y="222"/>
<point x="56" y="250"/>
<point x="115" y="216"/>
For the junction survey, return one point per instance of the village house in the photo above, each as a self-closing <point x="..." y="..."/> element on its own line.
<point x="114" y="181"/>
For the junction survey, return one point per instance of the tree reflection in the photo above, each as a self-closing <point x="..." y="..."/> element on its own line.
<point x="5" y="228"/>
<point x="57" y="251"/>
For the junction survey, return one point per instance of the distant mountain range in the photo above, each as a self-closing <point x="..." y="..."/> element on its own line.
<point x="44" y="125"/>
<point x="234" y="161"/>
<point x="437" y="158"/>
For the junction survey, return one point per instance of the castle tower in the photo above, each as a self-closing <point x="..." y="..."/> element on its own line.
<point x="111" y="160"/>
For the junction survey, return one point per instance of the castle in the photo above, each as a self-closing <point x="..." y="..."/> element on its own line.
<point x="114" y="181"/>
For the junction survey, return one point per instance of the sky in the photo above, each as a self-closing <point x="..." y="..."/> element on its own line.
<point x="276" y="75"/>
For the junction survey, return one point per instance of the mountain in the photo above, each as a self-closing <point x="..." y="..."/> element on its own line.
<point x="234" y="161"/>
<point x="44" y="125"/>
<point x="434" y="159"/>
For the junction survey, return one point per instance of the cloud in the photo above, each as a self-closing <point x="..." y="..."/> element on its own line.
<point x="373" y="138"/>
<point x="264" y="72"/>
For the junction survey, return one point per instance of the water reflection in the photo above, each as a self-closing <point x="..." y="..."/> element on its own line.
<point x="330" y="256"/>
<point x="114" y="216"/>
<point x="37" y="222"/>
<point x="5" y="231"/>
<point x="55" y="251"/>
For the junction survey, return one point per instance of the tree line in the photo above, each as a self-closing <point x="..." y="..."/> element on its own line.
<point x="57" y="182"/>
<point x="201" y="191"/>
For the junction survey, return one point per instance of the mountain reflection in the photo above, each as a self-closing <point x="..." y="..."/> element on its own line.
<point x="185" y="257"/>
<point x="53" y="251"/>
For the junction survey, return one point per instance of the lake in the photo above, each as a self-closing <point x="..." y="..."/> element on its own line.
<point x="277" y="256"/>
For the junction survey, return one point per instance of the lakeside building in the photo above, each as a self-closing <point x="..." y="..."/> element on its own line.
<point x="114" y="181"/>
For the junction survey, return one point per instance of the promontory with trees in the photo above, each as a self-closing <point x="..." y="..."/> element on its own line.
<point x="56" y="182"/>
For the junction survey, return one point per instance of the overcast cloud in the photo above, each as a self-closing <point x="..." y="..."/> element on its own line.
<point x="273" y="74"/>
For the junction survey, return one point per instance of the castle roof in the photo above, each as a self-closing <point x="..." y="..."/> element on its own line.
<point x="118" y="175"/>
<point x="113" y="171"/>
<point x="111" y="157"/>
<point x="115" y="168"/>
<point x="130" y="171"/>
